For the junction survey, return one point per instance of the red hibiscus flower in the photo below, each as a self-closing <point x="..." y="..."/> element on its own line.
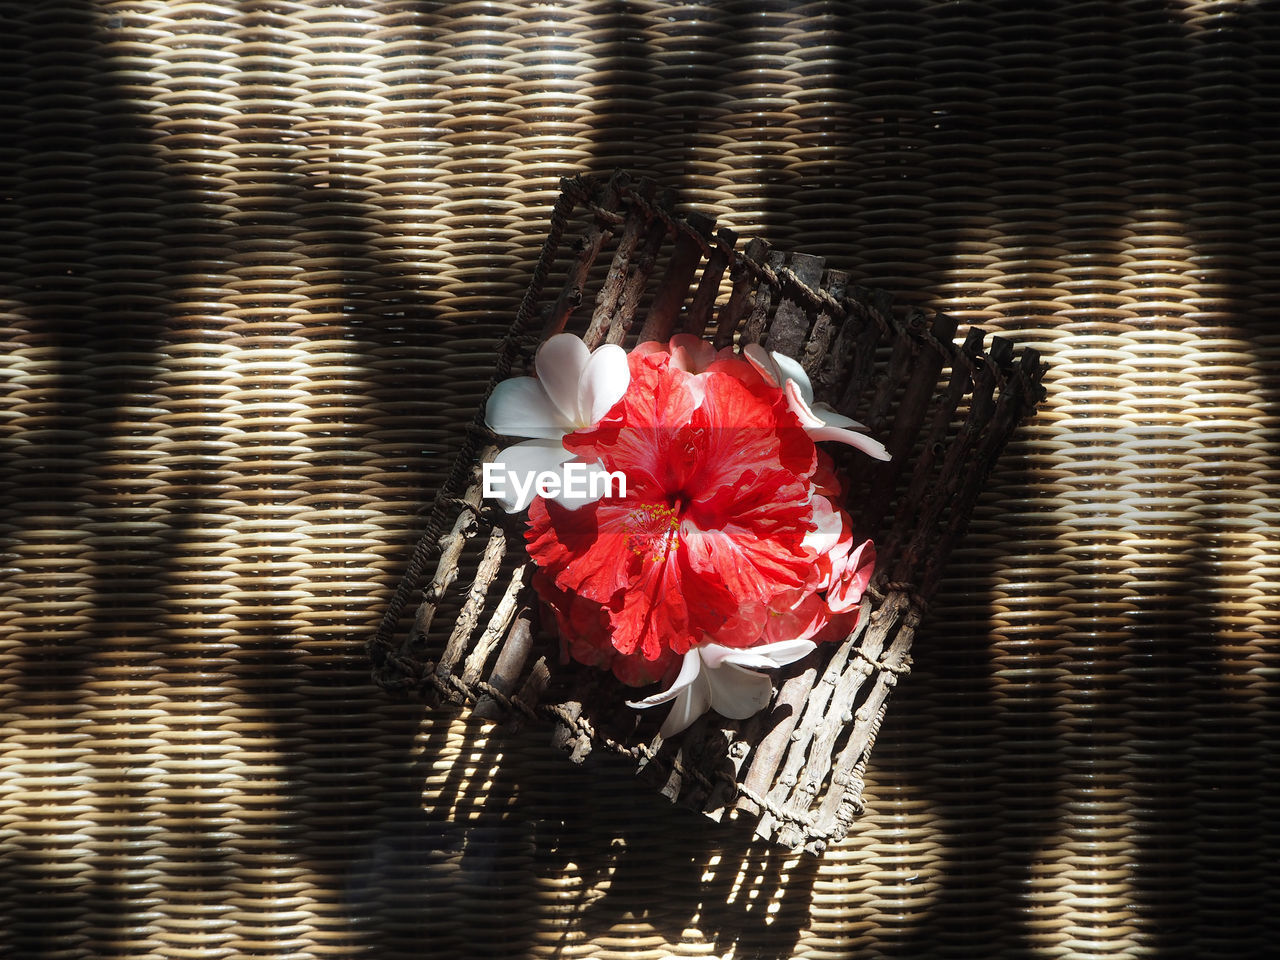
<point x="726" y="554"/>
<point x="713" y="524"/>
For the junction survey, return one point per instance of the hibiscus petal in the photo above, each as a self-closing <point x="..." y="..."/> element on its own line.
<point x="851" y="582"/>
<point x="691" y="354"/>
<point x="520" y="407"/>
<point x="737" y="693"/>
<point x="560" y="363"/>
<point x="828" y="525"/>
<point x="727" y="362"/>
<point x="520" y="464"/>
<point x="803" y="620"/>
<point x="689" y="670"/>
<point x="648" y="347"/>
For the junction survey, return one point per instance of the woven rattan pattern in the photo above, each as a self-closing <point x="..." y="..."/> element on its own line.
<point x="256" y="259"/>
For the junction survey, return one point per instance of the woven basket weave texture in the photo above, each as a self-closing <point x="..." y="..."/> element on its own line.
<point x="256" y="257"/>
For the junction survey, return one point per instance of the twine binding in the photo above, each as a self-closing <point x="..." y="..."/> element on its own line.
<point x="945" y="411"/>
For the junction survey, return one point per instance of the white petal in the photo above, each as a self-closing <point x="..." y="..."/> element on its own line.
<point x="819" y="430"/>
<point x="689" y="670"/>
<point x="800" y="407"/>
<point x="777" y="654"/>
<point x="747" y="659"/>
<point x="697" y="387"/>
<point x="560" y="363"/>
<point x="714" y="654"/>
<point x="737" y="693"/>
<point x="603" y="383"/>
<point x="793" y="371"/>
<point x="519" y="407"/>
<point x="829" y="525"/>
<point x="692" y="703"/>
<point x="594" y="484"/>
<point x="520" y="464"/>
<point x="860" y="441"/>
<point x="832" y="419"/>
<point x="763" y="361"/>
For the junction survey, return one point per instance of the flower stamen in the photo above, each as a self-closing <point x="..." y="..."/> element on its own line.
<point x="651" y="531"/>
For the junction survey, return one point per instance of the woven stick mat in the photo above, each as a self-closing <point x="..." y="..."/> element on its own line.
<point x="256" y="257"/>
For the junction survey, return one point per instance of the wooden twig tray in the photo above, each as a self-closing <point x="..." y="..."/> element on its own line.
<point x="944" y="410"/>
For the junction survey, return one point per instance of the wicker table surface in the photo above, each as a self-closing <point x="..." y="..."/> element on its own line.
<point x="256" y="258"/>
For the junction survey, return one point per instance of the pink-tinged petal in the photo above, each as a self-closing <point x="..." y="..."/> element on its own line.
<point x="647" y="348"/>
<point x="520" y="407"/>
<point x="827" y="415"/>
<point x="800" y="407"/>
<point x="851" y="582"/>
<point x="767" y="656"/>
<point x="820" y="430"/>
<point x="859" y="441"/>
<point x="793" y="372"/>
<point x="765" y="365"/>
<point x="726" y="362"/>
<point x="691" y="354"/>
<point x="603" y="383"/>
<point x="747" y="659"/>
<point x="828" y="523"/>
<point x="690" y="667"/>
<point x="737" y="693"/>
<point x="560" y="363"/>
<point x="520" y="464"/>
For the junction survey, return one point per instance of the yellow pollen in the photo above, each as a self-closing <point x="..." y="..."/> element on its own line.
<point x="651" y="530"/>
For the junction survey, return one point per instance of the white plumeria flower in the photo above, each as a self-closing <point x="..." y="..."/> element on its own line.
<point x="820" y="422"/>
<point x="724" y="679"/>
<point x="575" y="387"/>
